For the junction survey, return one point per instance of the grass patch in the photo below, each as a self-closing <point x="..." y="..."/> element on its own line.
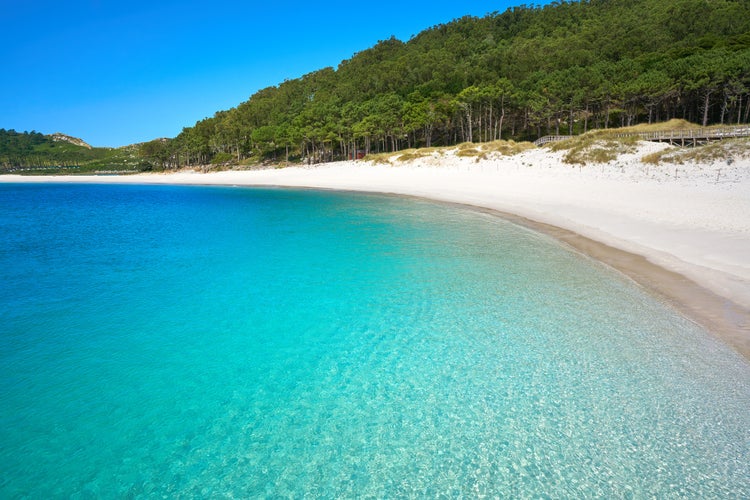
<point x="416" y="154"/>
<point x="379" y="158"/>
<point x="603" y="146"/>
<point x="673" y="124"/>
<point x="410" y="155"/>
<point x="727" y="150"/>
<point x="655" y="158"/>
<point x="402" y="156"/>
<point x="481" y="150"/>
<point x="507" y="148"/>
<point x="599" y="146"/>
<point x="470" y="153"/>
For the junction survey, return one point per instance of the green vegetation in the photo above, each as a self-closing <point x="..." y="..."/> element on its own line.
<point x="383" y="158"/>
<point x="729" y="151"/>
<point x="466" y="149"/>
<point x="674" y="124"/>
<point x="35" y="153"/>
<point x="507" y="148"/>
<point x="530" y="71"/>
<point x="597" y="146"/>
<point x="602" y="146"/>
<point x="416" y="154"/>
<point x="565" y="68"/>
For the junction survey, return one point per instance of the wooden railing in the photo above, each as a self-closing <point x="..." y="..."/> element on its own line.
<point x="690" y="136"/>
<point x="551" y="138"/>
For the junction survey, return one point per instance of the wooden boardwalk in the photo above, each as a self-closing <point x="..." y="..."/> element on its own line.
<point x="688" y="137"/>
<point x="551" y="138"/>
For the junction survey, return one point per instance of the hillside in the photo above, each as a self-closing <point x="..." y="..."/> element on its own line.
<point x="59" y="137"/>
<point x="564" y="68"/>
<point x="35" y="153"/>
<point x="529" y="71"/>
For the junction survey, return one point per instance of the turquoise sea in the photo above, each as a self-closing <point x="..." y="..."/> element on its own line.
<point x="220" y="342"/>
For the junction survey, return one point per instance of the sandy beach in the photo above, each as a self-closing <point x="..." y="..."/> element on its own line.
<point x="682" y="231"/>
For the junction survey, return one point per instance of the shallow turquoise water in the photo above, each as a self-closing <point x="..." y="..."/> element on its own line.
<point x="212" y="342"/>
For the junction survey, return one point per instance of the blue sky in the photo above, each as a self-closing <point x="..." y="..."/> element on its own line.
<point x="119" y="72"/>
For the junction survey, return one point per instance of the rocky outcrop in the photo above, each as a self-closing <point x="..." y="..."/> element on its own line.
<point x="58" y="137"/>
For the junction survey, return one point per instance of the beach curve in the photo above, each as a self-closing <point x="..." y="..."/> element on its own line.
<point x="683" y="233"/>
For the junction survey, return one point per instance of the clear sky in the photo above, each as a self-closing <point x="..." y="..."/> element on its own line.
<point x="119" y="72"/>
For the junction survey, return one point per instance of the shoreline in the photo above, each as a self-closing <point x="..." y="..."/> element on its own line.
<point x="719" y="316"/>
<point x="687" y="242"/>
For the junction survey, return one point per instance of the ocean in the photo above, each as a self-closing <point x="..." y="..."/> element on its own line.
<point x="172" y="341"/>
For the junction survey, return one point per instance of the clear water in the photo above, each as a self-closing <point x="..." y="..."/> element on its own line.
<point x="219" y="342"/>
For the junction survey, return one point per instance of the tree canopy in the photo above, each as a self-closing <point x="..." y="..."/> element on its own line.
<point x="562" y="68"/>
<point x="566" y="67"/>
<point x="33" y="152"/>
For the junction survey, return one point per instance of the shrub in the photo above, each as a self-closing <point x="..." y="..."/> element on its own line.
<point x="727" y="150"/>
<point x="220" y="158"/>
<point x="599" y="146"/>
<point x="507" y="148"/>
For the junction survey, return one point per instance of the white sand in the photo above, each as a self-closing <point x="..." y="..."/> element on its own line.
<point x="691" y="219"/>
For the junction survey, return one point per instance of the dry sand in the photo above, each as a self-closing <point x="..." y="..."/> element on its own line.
<point x="681" y="231"/>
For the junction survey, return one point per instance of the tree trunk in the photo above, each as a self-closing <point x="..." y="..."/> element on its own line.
<point x="570" y="120"/>
<point x="706" y="102"/>
<point x="479" y="125"/>
<point x="739" y="110"/>
<point x="500" y="124"/>
<point x="606" y="117"/>
<point x="586" y="119"/>
<point x="491" y="127"/>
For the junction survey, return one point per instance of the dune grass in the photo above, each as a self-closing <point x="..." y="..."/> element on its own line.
<point x="469" y="150"/>
<point x="379" y="158"/>
<point x="507" y="148"/>
<point x="415" y="154"/>
<point x="672" y="125"/>
<point x="727" y="150"/>
<point x="603" y="146"/>
<point x="480" y="151"/>
<point x="600" y="146"/>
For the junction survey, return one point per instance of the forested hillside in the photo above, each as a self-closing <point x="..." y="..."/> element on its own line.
<point x="529" y="71"/>
<point x="32" y="152"/>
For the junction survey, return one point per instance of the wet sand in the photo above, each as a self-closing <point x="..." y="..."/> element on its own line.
<point x="720" y="316"/>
